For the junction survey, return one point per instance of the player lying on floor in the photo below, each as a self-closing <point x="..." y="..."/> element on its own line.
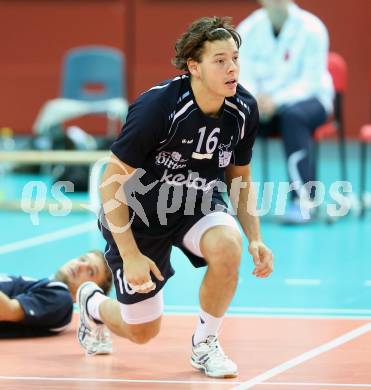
<point x="41" y="307"/>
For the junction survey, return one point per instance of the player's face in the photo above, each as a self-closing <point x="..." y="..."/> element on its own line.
<point x="87" y="267"/>
<point x="219" y="68"/>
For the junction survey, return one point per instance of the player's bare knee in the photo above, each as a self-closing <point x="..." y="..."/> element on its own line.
<point x="223" y="251"/>
<point x="227" y="269"/>
<point x="142" y="333"/>
<point x="141" y="336"/>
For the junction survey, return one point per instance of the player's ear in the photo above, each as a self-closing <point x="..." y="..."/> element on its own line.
<point x="193" y="67"/>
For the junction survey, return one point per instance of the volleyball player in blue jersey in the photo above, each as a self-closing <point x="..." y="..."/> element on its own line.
<point x="185" y="141"/>
<point x="41" y="307"/>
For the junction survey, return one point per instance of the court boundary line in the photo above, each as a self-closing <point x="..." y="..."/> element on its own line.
<point x="173" y="382"/>
<point x="356" y="385"/>
<point x="274" y="311"/>
<point x="259" y="379"/>
<point x="116" y="380"/>
<point x="48" y="237"/>
<point x="283" y="316"/>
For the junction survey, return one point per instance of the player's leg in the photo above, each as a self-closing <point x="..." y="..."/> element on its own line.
<point x="216" y="238"/>
<point x="139" y="322"/>
<point x="297" y="124"/>
<point x="221" y="247"/>
<point x="135" y="316"/>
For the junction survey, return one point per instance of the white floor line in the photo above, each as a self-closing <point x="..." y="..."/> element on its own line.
<point x="43" y="238"/>
<point x="78" y="379"/>
<point x="303" y="282"/>
<point x="277" y="311"/>
<point x="304" y="357"/>
<point x="272" y="315"/>
<point x="347" y="385"/>
<point x="176" y="382"/>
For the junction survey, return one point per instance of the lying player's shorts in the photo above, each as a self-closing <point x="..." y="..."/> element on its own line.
<point x="186" y="236"/>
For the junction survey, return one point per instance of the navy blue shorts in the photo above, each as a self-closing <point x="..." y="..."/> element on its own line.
<point x="157" y="246"/>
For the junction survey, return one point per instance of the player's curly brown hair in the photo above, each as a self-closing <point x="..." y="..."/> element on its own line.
<point x="191" y="44"/>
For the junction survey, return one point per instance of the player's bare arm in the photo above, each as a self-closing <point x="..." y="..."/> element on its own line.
<point x="245" y="202"/>
<point x="137" y="267"/>
<point x="10" y="309"/>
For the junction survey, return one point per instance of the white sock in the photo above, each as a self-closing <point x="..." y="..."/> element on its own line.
<point x="207" y="325"/>
<point x="93" y="305"/>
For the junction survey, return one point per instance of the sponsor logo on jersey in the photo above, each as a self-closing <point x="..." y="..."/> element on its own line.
<point x="202" y="156"/>
<point x="224" y="154"/>
<point x="171" y="160"/>
<point x="193" y="180"/>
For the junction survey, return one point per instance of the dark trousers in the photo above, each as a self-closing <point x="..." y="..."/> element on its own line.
<point x="296" y="125"/>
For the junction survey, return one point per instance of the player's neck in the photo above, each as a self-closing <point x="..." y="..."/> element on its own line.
<point x="62" y="277"/>
<point x="278" y="18"/>
<point x="210" y="104"/>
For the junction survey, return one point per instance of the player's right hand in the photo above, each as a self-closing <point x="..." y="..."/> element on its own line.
<point x="137" y="273"/>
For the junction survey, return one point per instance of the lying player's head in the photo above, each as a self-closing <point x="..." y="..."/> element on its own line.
<point x="90" y="266"/>
<point x="208" y="51"/>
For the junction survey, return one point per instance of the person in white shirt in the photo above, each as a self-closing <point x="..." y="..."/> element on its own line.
<point x="284" y="65"/>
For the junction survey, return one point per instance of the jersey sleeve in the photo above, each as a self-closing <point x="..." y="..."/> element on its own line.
<point x="141" y="134"/>
<point x="49" y="306"/>
<point x="243" y="151"/>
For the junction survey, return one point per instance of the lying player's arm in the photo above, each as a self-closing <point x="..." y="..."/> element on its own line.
<point x="137" y="267"/>
<point x="10" y="309"/>
<point x="243" y="198"/>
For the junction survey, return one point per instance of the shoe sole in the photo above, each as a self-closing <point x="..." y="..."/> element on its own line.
<point x="200" y="367"/>
<point x="80" y="322"/>
<point x="78" y="300"/>
<point x="104" y="352"/>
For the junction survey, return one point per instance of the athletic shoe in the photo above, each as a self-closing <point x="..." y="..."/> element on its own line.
<point x="209" y="357"/>
<point x="93" y="337"/>
<point x="296" y="215"/>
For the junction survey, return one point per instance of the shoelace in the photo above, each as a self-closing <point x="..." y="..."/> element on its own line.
<point x="102" y="335"/>
<point x="99" y="333"/>
<point x="96" y="338"/>
<point x="216" y="351"/>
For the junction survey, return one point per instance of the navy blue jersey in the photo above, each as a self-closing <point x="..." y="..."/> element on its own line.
<point x="174" y="142"/>
<point x="47" y="305"/>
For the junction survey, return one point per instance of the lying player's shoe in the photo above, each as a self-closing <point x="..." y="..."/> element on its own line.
<point x="104" y="345"/>
<point x="209" y="357"/>
<point x="93" y="337"/>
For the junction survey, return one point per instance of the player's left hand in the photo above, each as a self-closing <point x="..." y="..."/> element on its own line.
<point x="263" y="259"/>
<point x="267" y="107"/>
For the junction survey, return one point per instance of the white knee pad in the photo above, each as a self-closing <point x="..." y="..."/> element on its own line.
<point x="144" y="311"/>
<point x="192" y="239"/>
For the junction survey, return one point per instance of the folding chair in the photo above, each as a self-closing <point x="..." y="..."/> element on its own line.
<point x="339" y="73"/>
<point x="93" y="82"/>
<point x="365" y="139"/>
